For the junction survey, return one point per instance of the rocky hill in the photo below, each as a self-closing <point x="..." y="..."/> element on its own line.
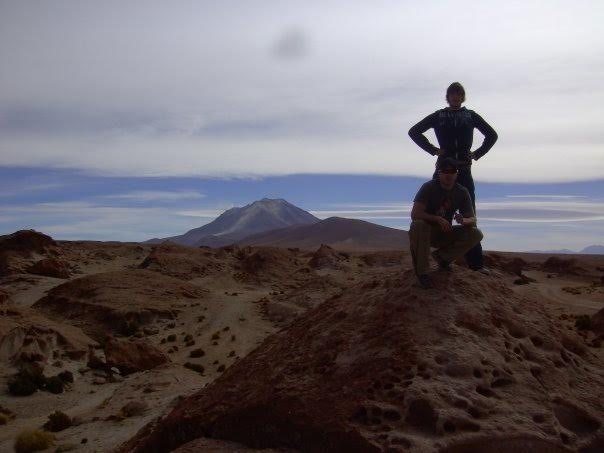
<point x="385" y="366"/>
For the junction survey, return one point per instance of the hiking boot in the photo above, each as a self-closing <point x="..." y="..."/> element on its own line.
<point x="443" y="265"/>
<point x="483" y="270"/>
<point x="425" y="281"/>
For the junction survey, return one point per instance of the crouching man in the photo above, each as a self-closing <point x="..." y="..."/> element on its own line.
<point x="434" y="207"/>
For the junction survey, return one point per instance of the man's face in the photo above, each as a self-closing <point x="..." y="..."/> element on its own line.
<point x="447" y="177"/>
<point x="455" y="99"/>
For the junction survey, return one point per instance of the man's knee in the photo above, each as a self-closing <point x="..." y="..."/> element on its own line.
<point x="476" y="234"/>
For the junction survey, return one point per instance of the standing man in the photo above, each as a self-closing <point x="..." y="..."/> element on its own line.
<point x="434" y="207"/>
<point x="454" y="129"/>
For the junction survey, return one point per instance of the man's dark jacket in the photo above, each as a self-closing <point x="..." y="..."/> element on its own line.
<point x="454" y="131"/>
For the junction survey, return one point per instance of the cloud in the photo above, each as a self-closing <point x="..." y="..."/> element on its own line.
<point x="92" y="221"/>
<point x="25" y="188"/>
<point x="201" y="89"/>
<point x="156" y="195"/>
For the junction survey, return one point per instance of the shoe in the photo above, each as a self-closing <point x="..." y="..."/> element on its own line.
<point x="425" y="281"/>
<point x="483" y="270"/>
<point x="442" y="264"/>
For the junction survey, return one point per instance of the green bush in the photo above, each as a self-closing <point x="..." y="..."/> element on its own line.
<point x="33" y="440"/>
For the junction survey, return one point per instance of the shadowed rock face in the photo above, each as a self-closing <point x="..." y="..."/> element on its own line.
<point x="50" y="267"/>
<point x="118" y="302"/>
<point x="26" y="335"/>
<point x="387" y="365"/>
<point x="28" y="241"/>
<point x="597" y="322"/>
<point x="132" y="356"/>
<point x="18" y="251"/>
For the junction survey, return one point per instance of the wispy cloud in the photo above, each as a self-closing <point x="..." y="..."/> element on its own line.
<point x="29" y="188"/>
<point x="566" y="197"/>
<point x="512" y="208"/>
<point x="151" y="195"/>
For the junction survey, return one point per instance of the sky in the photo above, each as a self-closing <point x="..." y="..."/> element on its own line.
<point x="136" y="119"/>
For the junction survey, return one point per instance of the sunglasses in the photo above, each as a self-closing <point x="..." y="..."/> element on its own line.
<point x="449" y="171"/>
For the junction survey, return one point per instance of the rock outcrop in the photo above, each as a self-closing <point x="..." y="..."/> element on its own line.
<point x="118" y="302"/>
<point x="21" y="250"/>
<point x="50" y="267"/>
<point x="326" y="257"/>
<point x="26" y="335"/>
<point x="183" y="262"/>
<point x="563" y="266"/>
<point x="132" y="356"/>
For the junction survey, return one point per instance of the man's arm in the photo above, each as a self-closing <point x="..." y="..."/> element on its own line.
<point x="490" y="136"/>
<point x="417" y="135"/>
<point x="466" y="215"/>
<point x="419" y="213"/>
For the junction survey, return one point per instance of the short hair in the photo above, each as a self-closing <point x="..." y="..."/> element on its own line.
<point x="457" y="87"/>
<point x="447" y="162"/>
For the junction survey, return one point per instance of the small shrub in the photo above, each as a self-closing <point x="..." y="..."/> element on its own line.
<point x="28" y="379"/>
<point x="54" y="385"/>
<point x="33" y="440"/>
<point x="195" y="367"/>
<point x="188" y="338"/>
<point x="583" y="322"/>
<point x="21" y="386"/>
<point x="134" y="408"/>
<point x="216" y="336"/>
<point x="57" y="421"/>
<point x="66" y="376"/>
<point x="171" y="338"/>
<point x="4" y="419"/>
<point x="196" y="353"/>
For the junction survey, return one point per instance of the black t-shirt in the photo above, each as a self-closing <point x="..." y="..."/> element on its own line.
<point x="444" y="203"/>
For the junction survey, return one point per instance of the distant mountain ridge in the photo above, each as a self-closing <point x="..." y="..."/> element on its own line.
<point x="589" y="250"/>
<point x="238" y="223"/>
